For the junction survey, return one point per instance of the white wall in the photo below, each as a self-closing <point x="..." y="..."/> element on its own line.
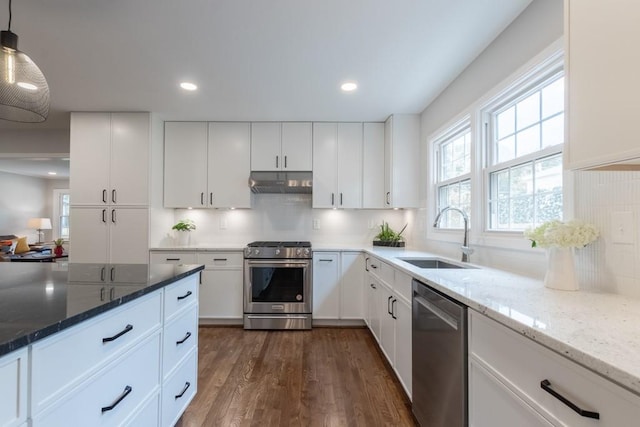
<point x="34" y="141"/>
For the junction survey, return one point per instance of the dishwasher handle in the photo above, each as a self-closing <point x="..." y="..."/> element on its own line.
<point x="445" y="317"/>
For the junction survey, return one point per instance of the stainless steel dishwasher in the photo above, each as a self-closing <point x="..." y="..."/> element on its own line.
<point x="439" y="359"/>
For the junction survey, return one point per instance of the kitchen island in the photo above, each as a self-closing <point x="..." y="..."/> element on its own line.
<point x="107" y="343"/>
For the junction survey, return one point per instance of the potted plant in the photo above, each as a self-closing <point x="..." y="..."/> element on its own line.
<point x="58" y="250"/>
<point x="388" y="237"/>
<point x="184" y="227"/>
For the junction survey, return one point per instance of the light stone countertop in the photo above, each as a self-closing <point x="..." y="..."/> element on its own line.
<point x="600" y="331"/>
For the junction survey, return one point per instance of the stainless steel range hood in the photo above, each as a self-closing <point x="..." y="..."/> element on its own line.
<point x="281" y="182"/>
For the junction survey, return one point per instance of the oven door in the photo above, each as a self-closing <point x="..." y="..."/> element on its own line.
<point x="277" y="286"/>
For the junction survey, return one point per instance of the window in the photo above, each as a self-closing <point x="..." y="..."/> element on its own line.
<point x="453" y="180"/>
<point x="524" y="137"/>
<point x="61" y="214"/>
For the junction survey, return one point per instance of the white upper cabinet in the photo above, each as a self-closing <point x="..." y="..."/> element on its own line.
<point x="603" y="84"/>
<point x="185" y="164"/>
<point x="402" y="161"/>
<point x="229" y="165"/>
<point x="281" y="146"/>
<point x="373" y="166"/>
<point x="206" y="165"/>
<point x="110" y="154"/>
<point x="337" y="165"/>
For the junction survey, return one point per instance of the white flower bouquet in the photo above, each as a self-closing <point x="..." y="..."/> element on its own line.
<point x="558" y="234"/>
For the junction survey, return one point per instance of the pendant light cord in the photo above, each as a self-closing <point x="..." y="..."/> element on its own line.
<point x="9" y="15"/>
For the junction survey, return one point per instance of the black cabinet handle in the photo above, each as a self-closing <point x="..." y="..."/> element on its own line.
<point x="102" y="270"/>
<point x="393" y="309"/>
<point x="104" y="196"/>
<point x="102" y="294"/>
<point x="124" y="394"/>
<point x="333" y="197"/>
<point x="373" y="286"/>
<point x="388" y="309"/>
<point x="325" y="260"/>
<point x="112" y="294"/>
<point x="388" y="194"/>
<point x="374" y="266"/>
<point x="285" y="162"/>
<point x="211" y="199"/>
<point x="113" y="216"/>
<point x="104" y="216"/>
<point x="366" y="264"/>
<point x="219" y="259"/>
<point x="186" y="337"/>
<point x="277" y="162"/>
<point x="340" y="199"/>
<point x="546" y="386"/>
<point x="113" y="196"/>
<point x="185" y="295"/>
<point x="126" y="329"/>
<point x="112" y="274"/>
<point x="173" y="259"/>
<point x="184" y="390"/>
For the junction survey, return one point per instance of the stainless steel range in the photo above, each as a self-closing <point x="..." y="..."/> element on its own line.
<point x="277" y="285"/>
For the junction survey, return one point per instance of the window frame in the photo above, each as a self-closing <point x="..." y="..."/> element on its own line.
<point x="57" y="205"/>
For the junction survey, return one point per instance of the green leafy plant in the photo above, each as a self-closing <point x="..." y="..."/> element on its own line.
<point x="184" y="225"/>
<point x="59" y="242"/>
<point x="387" y="234"/>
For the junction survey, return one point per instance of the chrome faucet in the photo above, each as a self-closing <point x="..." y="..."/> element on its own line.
<point x="466" y="250"/>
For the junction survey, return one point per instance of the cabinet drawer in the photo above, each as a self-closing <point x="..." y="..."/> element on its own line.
<point x="180" y="336"/>
<point x="83" y="350"/>
<point x="180" y="295"/>
<point x="382" y="271"/>
<point x="13" y="388"/>
<point x="112" y="395"/>
<point x="178" y="390"/>
<point x="163" y="257"/>
<point x="220" y="259"/>
<point x="148" y="415"/>
<point x="403" y="285"/>
<point x="521" y="364"/>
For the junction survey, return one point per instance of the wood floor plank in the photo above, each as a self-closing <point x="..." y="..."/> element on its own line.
<point x="323" y="377"/>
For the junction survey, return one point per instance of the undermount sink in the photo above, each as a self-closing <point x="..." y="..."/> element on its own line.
<point x="432" y="263"/>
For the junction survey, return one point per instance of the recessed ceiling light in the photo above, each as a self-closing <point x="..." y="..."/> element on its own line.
<point x="188" y="86"/>
<point x="349" y="86"/>
<point x="52" y="173"/>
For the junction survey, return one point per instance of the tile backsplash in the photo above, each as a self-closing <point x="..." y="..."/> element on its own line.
<point x="612" y="263"/>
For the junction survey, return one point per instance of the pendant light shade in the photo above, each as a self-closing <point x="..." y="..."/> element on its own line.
<point x="24" y="93"/>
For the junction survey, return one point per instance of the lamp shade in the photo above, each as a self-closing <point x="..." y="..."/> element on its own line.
<point x="24" y="92"/>
<point x="39" y="223"/>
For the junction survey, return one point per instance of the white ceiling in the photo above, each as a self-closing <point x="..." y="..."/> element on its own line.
<point x="38" y="167"/>
<point x="253" y="59"/>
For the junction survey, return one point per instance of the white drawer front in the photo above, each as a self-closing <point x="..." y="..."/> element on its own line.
<point x="124" y="384"/>
<point x="148" y="415"/>
<point x="220" y="259"/>
<point x="163" y="257"/>
<point x="83" y="350"/>
<point x="13" y="388"/>
<point x="180" y="295"/>
<point x="403" y="285"/>
<point x="180" y="336"/>
<point x="382" y="271"/>
<point x="523" y="364"/>
<point x="178" y="390"/>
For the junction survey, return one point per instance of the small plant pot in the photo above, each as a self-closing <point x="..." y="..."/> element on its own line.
<point x="399" y="244"/>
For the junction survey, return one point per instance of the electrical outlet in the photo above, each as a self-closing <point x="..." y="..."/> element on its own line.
<point x="223" y="223"/>
<point x="622" y="227"/>
<point x="316" y="224"/>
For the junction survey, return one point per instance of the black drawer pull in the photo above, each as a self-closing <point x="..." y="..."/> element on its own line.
<point x="374" y="266"/>
<point x="173" y="259"/>
<point x="126" y="329"/>
<point x="186" y="337"/>
<point x="124" y="394"/>
<point x="546" y="386"/>
<point x="373" y="286"/>
<point x="184" y="390"/>
<point x="325" y="260"/>
<point x="185" y="295"/>
<point x="219" y="259"/>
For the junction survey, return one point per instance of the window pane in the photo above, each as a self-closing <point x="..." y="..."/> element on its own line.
<point x="506" y="149"/>
<point x="506" y="122"/>
<point x="553" y="98"/>
<point x="64" y="227"/>
<point x="522" y="180"/>
<point x="457" y="195"/>
<point x="528" y="111"/>
<point x="528" y="140"/>
<point x="553" y="131"/>
<point x="455" y="157"/>
<point x="521" y="212"/>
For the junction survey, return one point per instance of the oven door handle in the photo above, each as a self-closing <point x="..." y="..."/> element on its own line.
<point x="283" y="263"/>
<point x="286" y="316"/>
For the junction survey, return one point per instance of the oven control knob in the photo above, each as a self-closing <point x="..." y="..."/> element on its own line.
<point x="257" y="251"/>
<point x="247" y="251"/>
<point x="306" y="252"/>
<point x="277" y="251"/>
<point x="298" y="252"/>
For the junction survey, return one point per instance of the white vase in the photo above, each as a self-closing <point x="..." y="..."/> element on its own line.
<point x="561" y="270"/>
<point x="184" y="238"/>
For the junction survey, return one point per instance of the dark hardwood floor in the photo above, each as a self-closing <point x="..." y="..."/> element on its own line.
<point x="322" y="377"/>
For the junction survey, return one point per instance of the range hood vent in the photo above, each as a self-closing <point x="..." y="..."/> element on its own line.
<point x="281" y="182"/>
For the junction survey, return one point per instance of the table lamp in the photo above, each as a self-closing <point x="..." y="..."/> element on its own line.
<point x="39" y="224"/>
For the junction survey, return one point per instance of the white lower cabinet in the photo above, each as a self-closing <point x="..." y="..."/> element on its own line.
<point x="13" y="388"/>
<point x="373" y="290"/>
<point x="326" y="285"/>
<point x="351" y="292"/>
<point x="222" y="285"/>
<point x="179" y="389"/>
<point x="506" y="375"/>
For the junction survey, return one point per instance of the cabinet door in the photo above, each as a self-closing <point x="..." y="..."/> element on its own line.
<point x="265" y="147"/>
<point x="388" y="160"/>
<point x="185" y="164"/>
<point x="373" y="166"/>
<point x="326" y="285"/>
<point x="387" y="324"/>
<point x="351" y="289"/>
<point x="229" y="165"/>
<point x="89" y="235"/>
<point x="13" y="388"/>
<point x="297" y="146"/>
<point x="221" y="294"/>
<point x="130" y="148"/>
<point x="373" y="289"/>
<point x="349" y="165"/>
<point x="402" y="311"/>
<point x="402" y="156"/>
<point x="325" y="165"/>
<point x="602" y="81"/>
<point x="90" y="138"/>
<point x="493" y="404"/>
<point x="129" y="236"/>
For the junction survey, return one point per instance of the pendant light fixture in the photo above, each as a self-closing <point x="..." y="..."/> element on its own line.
<point x="24" y="93"/>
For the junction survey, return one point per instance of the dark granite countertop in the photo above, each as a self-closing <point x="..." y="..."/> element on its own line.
<point x="40" y="299"/>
